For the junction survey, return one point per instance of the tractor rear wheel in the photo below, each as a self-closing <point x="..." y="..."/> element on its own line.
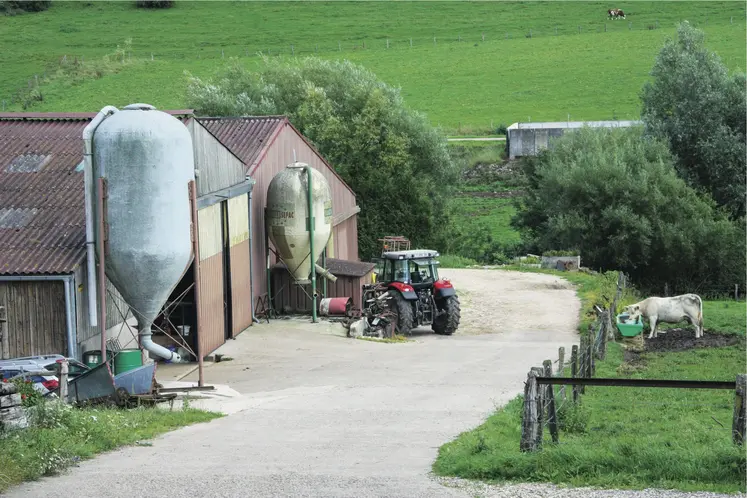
<point x="447" y="323"/>
<point x="405" y="315"/>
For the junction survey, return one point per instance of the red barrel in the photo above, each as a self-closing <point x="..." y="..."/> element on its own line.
<point x="332" y="306"/>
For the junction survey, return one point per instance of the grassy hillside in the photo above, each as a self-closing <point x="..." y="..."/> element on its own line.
<point x="462" y="85"/>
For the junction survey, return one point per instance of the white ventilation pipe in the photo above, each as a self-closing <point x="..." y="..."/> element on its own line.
<point x="89" y="184"/>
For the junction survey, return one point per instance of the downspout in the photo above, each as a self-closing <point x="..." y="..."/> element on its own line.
<point x="251" y="250"/>
<point x="88" y="182"/>
<point x="69" y="285"/>
<point x="310" y="201"/>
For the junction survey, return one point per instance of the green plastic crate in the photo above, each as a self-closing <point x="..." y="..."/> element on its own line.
<point x="629" y="329"/>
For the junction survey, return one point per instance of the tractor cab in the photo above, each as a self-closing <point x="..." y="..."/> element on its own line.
<point x="418" y="268"/>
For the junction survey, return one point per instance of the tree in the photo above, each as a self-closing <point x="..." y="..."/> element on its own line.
<point x="397" y="164"/>
<point x="12" y="7"/>
<point x="614" y="195"/>
<point x="699" y="110"/>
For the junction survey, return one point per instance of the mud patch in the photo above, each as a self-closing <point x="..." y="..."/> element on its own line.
<point x="678" y="339"/>
<point x="681" y="339"/>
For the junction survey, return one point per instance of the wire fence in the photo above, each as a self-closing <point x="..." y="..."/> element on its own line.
<point x="207" y="50"/>
<point x="543" y="405"/>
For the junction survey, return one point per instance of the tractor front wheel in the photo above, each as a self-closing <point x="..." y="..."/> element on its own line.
<point x="447" y="323"/>
<point x="405" y="314"/>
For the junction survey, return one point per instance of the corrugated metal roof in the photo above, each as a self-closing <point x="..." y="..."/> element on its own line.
<point x="342" y="268"/>
<point x="42" y="216"/>
<point x="246" y="136"/>
<point x="574" y="124"/>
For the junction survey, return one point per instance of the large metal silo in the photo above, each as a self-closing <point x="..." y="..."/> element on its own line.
<point x="290" y="199"/>
<point x="146" y="158"/>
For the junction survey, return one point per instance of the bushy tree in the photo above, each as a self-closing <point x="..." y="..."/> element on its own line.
<point x="12" y="7"/>
<point x="699" y="109"/>
<point x="397" y="164"/>
<point x="615" y="195"/>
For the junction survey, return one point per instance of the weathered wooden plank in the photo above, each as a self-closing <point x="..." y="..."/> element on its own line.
<point x="740" y="410"/>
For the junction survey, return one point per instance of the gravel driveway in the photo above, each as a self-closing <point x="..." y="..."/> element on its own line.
<point x="326" y="416"/>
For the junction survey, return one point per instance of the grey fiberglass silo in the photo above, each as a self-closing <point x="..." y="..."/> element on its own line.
<point x="146" y="157"/>
<point x="288" y="214"/>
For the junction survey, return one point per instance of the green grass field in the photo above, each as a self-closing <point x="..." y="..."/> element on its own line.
<point x="625" y="437"/>
<point x="462" y="85"/>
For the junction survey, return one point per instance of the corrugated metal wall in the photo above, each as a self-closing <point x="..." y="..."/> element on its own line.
<point x="238" y="228"/>
<point x="212" y="329"/>
<point x="217" y="167"/>
<point x="291" y="298"/>
<point x="279" y="155"/>
<point x="36" y="317"/>
<point x="115" y="306"/>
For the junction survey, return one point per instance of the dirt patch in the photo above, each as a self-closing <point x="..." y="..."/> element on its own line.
<point x="678" y="339"/>
<point x="509" y="302"/>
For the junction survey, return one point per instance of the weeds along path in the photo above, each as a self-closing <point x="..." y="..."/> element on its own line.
<point x="323" y="415"/>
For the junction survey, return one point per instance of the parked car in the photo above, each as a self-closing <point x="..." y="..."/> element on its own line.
<point x="45" y="362"/>
<point x="44" y="384"/>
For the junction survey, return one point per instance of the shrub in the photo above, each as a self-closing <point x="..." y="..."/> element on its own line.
<point x="154" y="4"/>
<point x="12" y="7"/>
<point x="29" y="395"/>
<point x="615" y="196"/>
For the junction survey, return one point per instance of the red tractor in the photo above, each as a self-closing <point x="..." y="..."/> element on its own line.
<point x="417" y="296"/>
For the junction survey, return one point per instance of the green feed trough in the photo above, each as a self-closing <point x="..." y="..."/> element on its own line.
<point x="627" y="327"/>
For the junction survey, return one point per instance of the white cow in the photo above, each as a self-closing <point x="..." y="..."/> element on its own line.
<point x="669" y="310"/>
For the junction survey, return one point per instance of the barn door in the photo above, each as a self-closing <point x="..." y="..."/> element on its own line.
<point x="240" y="271"/>
<point x="212" y="305"/>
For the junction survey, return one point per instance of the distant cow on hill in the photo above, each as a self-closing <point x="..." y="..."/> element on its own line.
<point x="669" y="310"/>
<point x="616" y="14"/>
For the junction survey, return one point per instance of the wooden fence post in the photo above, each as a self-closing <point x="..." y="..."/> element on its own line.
<point x="538" y="371"/>
<point x="529" y="419"/>
<point x="561" y="360"/>
<point x="591" y="363"/>
<point x="552" y="415"/>
<point x="740" y="410"/>
<point x="574" y="370"/>
<point x="63" y="380"/>
<point x="602" y="337"/>
<point x="582" y="360"/>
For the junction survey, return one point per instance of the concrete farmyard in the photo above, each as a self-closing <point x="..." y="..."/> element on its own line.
<point x="325" y="415"/>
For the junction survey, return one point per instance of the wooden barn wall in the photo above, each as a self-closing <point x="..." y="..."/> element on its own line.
<point x="115" y="306"/>
<point x="211" y="333"/>
<point x="290" y="298"/>
<point x="278" y="156"/>
<point x="238" y="229"/>
<point x="36" y="317"/>
<point x="345" y="240"/>
<point x="217" y="167"/>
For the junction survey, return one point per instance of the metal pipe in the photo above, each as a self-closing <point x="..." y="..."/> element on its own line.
<point x="251" y="264"/>
<point x="196" y="271"/>
<point x="327" y="276"/>
<point x="71" y="346"/>
<point x="89" y="186"/>
<point x="310" y="201"/>
<point x="325" y="273"/>
<point x="269" y="273"/>
<point x="102" y="272"/>
<point x="68" y="282"/>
